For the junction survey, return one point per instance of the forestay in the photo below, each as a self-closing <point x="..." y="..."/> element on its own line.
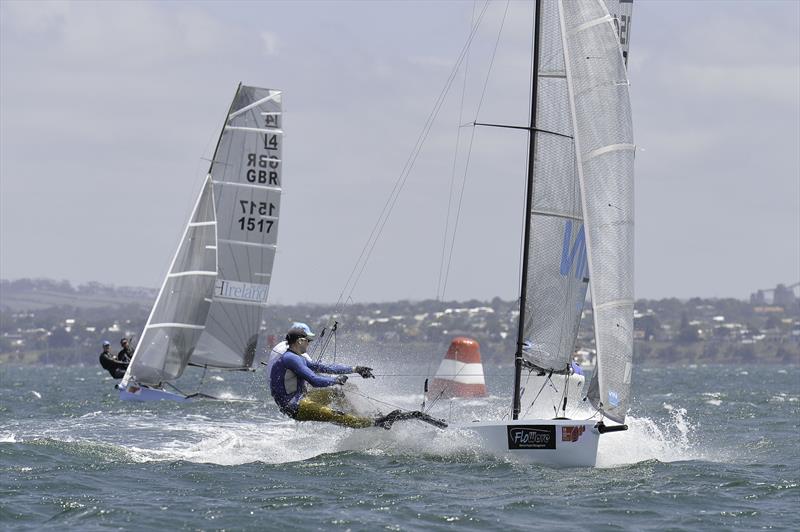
<point x="598" y="89"/>
<point x="208" y="311"/>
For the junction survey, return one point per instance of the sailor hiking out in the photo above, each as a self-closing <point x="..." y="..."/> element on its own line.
<point x="111" y="363"/>
<point x="292" y="372"/>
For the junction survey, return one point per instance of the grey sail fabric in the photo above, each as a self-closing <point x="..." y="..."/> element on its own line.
<point x="598" y="87"/>
<point x="557" y="272"/>
<point x="246" y="172"/>
<point x="178" y="317"/>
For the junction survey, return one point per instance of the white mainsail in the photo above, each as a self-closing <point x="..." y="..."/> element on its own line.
<point x="246" y="171"/>
<point x="208" y="311"/>
<point x="601" y="113"/>
<point x="557" y="274"/>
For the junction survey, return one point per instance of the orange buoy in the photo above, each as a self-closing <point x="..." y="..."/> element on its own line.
<point x="461" y="372"/>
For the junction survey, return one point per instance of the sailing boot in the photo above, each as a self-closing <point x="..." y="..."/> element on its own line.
<point x="387" y="420"/>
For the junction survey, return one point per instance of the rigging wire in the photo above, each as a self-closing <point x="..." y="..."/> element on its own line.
<point x="439" y="292"/>
<point x="366" y="252"/>
<point x="469" y="149"/>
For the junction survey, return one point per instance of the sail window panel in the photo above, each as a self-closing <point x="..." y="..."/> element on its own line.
<point x="247" y="214"/>
<point x="183" y="300"/>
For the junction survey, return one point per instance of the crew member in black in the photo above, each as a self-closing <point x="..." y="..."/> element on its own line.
<point x="110" y="363"/>
<point x="126" y="353"/>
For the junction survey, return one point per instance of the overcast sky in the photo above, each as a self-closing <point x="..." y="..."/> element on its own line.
<point x="107" y="110"/>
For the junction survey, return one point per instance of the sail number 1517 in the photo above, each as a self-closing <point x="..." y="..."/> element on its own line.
<point x="251" y="223"/>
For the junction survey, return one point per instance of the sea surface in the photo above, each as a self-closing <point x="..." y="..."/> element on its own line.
<point x="709" y="448"/>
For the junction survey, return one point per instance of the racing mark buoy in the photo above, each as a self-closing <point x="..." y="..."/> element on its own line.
<point x="461" y="372"/>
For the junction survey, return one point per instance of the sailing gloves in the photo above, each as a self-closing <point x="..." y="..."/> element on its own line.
<point x="341" y="379"/>
<point x="364" y="371"/>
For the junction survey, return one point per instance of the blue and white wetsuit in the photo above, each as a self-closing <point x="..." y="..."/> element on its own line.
<point x="291" y="374"/>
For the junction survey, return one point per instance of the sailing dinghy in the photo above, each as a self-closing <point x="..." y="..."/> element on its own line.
<point x="578" y="227"/>
<point x="208" y="311"/>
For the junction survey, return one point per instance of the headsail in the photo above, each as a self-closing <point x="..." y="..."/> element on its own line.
<point x="598" y="88"/>
<point x="179" y="314"/>
<point x="557" y="272"/>
<point x="208" y="311"/>
<point x="246" y="171"/>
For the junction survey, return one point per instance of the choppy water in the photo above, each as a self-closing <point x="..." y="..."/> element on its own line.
<point x="713" y="448"/>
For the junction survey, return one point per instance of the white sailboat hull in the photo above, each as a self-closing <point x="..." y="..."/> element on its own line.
<point x="555" y="442"/>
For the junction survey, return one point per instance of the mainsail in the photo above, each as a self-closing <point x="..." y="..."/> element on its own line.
<point x="557" y="273"/>
<point x="598" y="89"/>
<point x="208" y="311"/>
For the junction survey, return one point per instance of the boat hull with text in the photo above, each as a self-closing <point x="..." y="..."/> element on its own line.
<point x="555" y="442"/>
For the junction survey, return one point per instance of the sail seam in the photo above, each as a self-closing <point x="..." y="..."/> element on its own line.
<point x="201" y="224"/>
<point x="273" y="95"/>
<point x="608" y="149"/>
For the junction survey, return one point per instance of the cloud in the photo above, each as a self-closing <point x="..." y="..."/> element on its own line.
<point x="270" y="42"/>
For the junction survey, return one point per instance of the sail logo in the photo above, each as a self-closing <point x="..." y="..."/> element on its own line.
<point x="531" y="437"/>
<point x="613" y="398"/>
<point x="254" y="293"/>
<point x="572" y="434"/>
<point x="574" y="255"/>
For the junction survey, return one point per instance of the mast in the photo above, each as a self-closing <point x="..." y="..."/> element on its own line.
<point x="528" y="208"/>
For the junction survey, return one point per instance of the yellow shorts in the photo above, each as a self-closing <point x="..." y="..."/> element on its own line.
<point x="315" y="407"/>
